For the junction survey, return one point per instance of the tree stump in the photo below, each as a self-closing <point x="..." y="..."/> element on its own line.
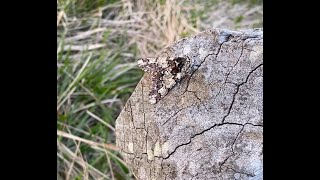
<point x="210" y="124"/>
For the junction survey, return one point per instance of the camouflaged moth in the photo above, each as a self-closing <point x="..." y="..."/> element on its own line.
<point x="165" y="73"/>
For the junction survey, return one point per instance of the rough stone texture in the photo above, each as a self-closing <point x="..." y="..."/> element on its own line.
<point x="210" y="124"/>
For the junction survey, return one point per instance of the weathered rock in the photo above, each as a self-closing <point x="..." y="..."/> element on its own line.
<point x="210" y="124"/>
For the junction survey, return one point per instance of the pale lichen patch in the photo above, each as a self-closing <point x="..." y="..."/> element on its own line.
<point x="130" y="147"/>
<point x="187" y="49"/>
<point x="165" y="148"/>
<point x="157" y="149"/>
<point x="256" y="52"/>
<point x="202" y="53"/>
<point x="150" y="154"/>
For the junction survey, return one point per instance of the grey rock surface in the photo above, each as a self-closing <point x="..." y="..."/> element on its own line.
<point x="210" y="124"/>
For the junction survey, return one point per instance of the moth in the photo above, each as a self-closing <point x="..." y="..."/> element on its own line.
<point x="165" y="73"/>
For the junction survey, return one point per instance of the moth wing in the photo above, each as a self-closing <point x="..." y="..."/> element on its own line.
<point x="147" y="64"/>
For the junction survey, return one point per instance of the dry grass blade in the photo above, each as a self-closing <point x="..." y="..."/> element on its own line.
<point x="84" y="35"/>
<point x="83" y="47"/>
<point x="73" y="82"/>
<point x="80" y="161"/>
<point x="114" y="156"/>
<point x="110" y="165"/>
<point x="80" y="130"/>
<point x="77" y="150"/>
<point x="60" y="15"/>
<point x="107" y="101"/>
<point x="73" y="160"/>
<point x="100" y="120"/>
<point x="91" y="143"/>
<point x="66" y="98"/>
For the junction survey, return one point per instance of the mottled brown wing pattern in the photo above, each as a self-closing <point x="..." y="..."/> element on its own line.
<point x="165" y="73"/>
